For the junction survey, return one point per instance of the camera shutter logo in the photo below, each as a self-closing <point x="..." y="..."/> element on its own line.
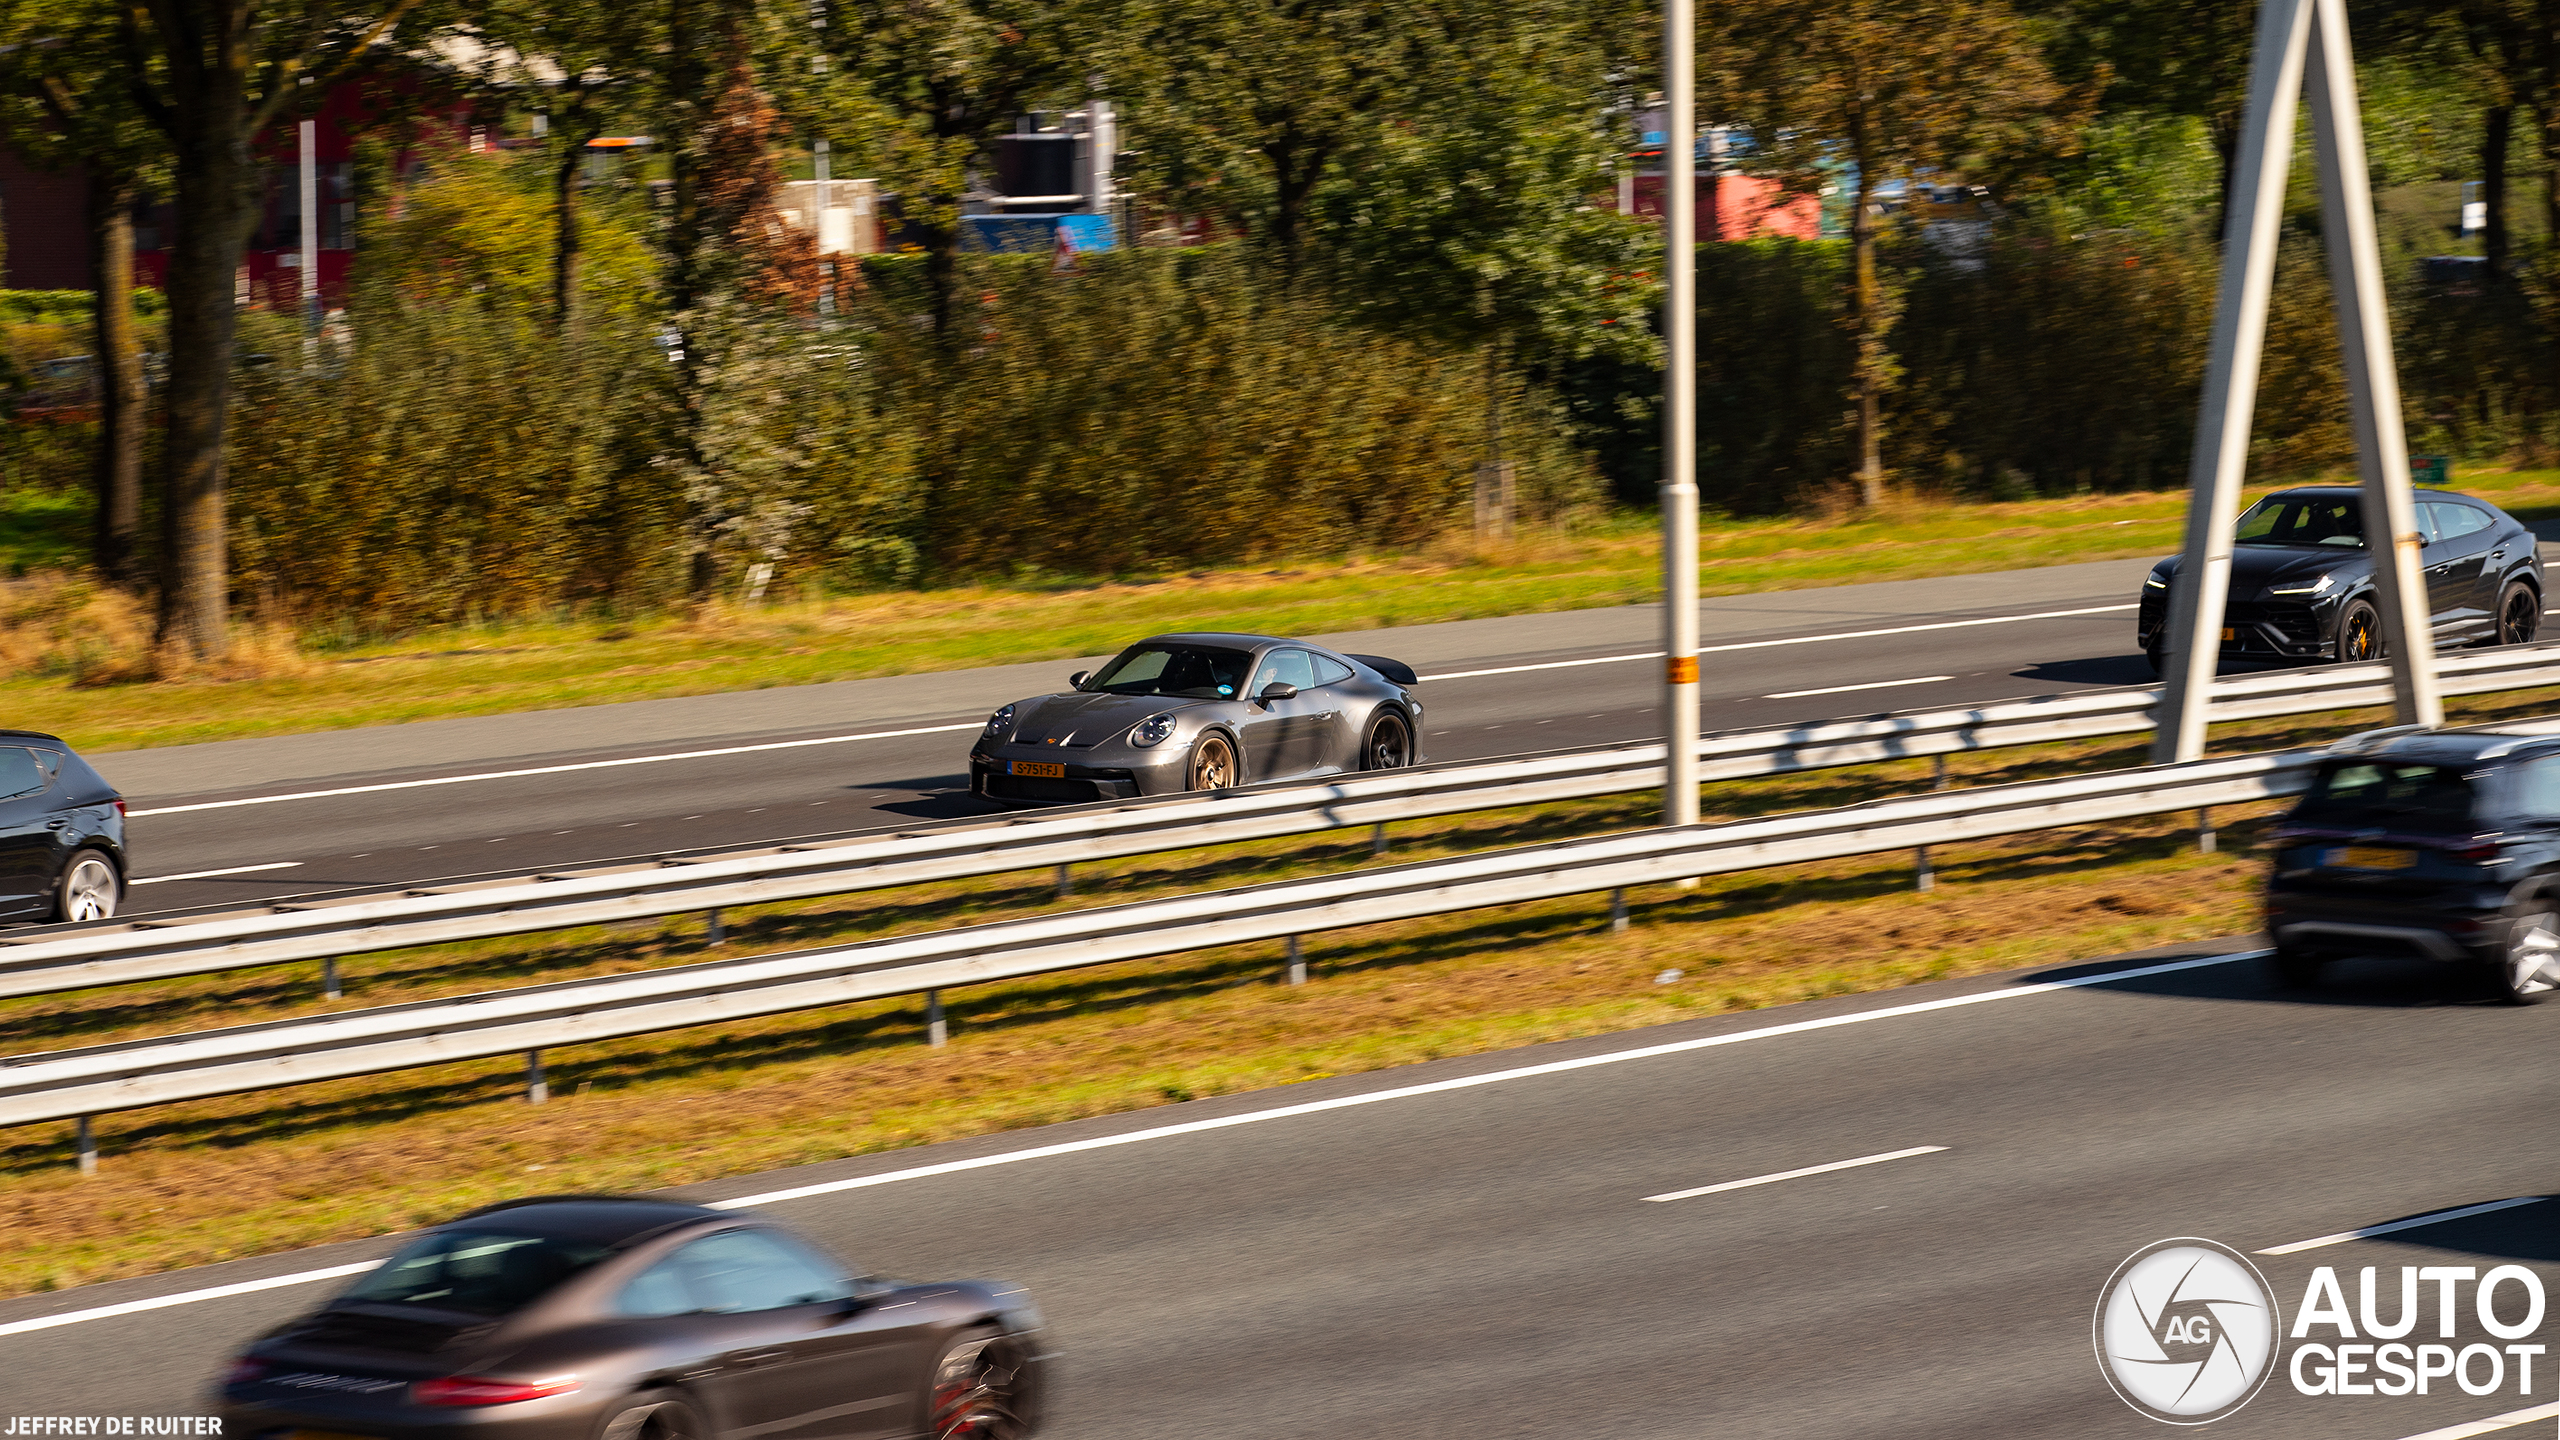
<point x="2186" y="1331"/>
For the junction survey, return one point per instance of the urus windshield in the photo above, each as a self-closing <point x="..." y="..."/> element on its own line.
<point x="2296" y="520"/>
<point x="1193" y="672"/>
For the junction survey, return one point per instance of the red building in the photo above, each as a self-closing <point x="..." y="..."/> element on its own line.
<point x="1735" y="207"/>
<point x="45" y="212"/>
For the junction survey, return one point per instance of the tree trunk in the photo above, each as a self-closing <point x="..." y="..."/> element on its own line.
<point x="2497" y="126"/>
<point x="214" y="215"/>
<point x="116" y="469"/>
<point x="564" y="242"/>
<point x="1866" y="332"/>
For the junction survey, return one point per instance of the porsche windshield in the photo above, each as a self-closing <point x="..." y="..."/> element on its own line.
<point x="2296" y="520"/>
<point x="479" y="1272"/>
<point x="1194" y="672"/>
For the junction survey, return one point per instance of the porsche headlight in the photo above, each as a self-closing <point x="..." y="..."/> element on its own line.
<point x="2316" y="587"/>
<point x="1154" y="730"/>
<point x="1000" y="724"/>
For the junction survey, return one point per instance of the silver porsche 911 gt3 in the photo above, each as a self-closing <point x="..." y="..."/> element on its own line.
<point x="1200" y="712"/>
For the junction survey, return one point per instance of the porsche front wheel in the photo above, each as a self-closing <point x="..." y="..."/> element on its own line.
<point x="1213" y="763"/>
<point x="977" y="1391"/>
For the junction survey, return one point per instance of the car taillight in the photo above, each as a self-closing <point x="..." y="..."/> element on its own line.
<point x="244" y="1370"/>
<point x="119" y="804"/>
<point x="2474" y="854"/>
<point x="474" y="1390"/>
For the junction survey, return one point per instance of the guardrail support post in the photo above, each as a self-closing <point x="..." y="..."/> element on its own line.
<point x="536" y="1089"/>
<point x="329" y="978"/>
<point x="1618" y="911"/>
<point x="1927" y="877"/>
<point x="1378" y="839"/>
<point x="2204" y="831"/>
<point x="713" y="932"/>
<point x="85" y="1144"/>
<point x="935" y="1032"/>
<point x="1066" y="882"/>
<point x="1297" y="963"/>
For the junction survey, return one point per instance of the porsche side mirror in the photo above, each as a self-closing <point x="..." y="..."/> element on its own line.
<point x="1278" y="690"/>
<point x="1076" y="681"/>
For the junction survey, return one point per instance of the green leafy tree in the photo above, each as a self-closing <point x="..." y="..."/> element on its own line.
<point x="1873" y="91"/>
<point x="62" y="104"/>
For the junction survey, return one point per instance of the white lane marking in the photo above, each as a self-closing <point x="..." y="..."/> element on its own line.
<point x="209" y="874"/>
<point x="1799" y="1174"/>
<point x="2491" y="1425"/>
<point x="1792" y="640"/>
<point x="1845" y="689"/>
<point x="1194" y="1127"/>
<point x="560" y="769"/>
<point x="2438" y="1218"/>
<point x="163" y="1302"/>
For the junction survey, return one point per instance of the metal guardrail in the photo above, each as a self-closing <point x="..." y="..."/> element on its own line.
<point x="327" y="927"/>
<point x="84" y="1082"/>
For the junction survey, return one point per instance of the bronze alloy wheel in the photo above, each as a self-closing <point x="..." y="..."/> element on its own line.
<point x="976" y="1391"/>
<point x="1390" y="745"/>
<point x="2519" y="614"/>
<point x="1213" y="763"/>
<point x="2359" y="634"/>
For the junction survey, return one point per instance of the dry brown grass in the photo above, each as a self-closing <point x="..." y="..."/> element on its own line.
<point x="60" y="625"/>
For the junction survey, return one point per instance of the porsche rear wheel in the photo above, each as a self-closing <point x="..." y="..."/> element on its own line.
<point x="977" y="1390"/>
<point x="1213" y="763"/>
<point x="1389" y="746"/>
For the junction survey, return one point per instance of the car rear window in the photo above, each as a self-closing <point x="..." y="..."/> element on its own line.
<point x="478" y="1272"/>
<point x="2394" y="796"/>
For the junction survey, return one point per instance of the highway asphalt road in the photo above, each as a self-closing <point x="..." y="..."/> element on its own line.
<point x="1470" y="1248"/>
<point x="877" y="753"/>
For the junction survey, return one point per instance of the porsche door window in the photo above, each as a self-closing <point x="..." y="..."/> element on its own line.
<point x="1286" y="667"/>
<point x="1193" y="672"/>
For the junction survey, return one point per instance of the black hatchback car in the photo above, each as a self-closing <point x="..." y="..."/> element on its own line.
<point x="610" y="1318"/>
<point x="2438" y="844"/>
<point x="62" y="851"/>
<point x="2302" y="579"/>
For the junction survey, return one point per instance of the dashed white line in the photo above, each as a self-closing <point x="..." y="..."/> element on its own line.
<point x="1792" y="640"/>
<point x="2438" y="1218"/>
<point x="210" y="874"/>
<point x="1798" y="1174"/>
<point x="1845" y="689"/>
<point x="1250" y="1117"/>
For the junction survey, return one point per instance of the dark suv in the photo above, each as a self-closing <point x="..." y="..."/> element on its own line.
<point x="2441" y="844"/>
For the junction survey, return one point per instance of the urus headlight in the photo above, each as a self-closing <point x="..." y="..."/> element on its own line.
<point x="2315" y="587"/>
<point x="1000" y="724"/>
<point x="1153" y="730"/>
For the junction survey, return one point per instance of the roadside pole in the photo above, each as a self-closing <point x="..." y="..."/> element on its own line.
<point x="1679" y="415"/>
<point x="2373" y="381"/>
<point x="310" y="195"/>
<point x="2191" y="640"/>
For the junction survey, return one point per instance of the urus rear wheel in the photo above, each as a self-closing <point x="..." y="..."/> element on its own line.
<point x="2519" y="614"/>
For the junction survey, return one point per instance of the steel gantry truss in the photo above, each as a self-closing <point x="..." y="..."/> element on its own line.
<point x="2301" y="46"/>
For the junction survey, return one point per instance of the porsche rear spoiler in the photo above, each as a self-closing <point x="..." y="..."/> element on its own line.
<point x="1395" y="670"/>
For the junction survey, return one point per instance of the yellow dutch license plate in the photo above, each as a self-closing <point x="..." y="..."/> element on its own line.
<point x="1040" y="768"/>
<point x="2373" y="857"/>
<point x="2230" y="633"/>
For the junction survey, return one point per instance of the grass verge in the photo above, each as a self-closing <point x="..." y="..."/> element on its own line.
<point x="186" y="1184"/>
<point x="70" y="677"/>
